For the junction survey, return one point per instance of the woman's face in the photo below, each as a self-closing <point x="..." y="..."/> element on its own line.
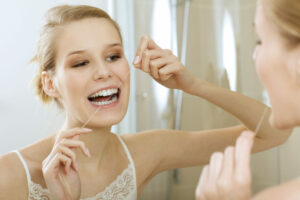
<point x="91" y="72"/>
<point x="277" y="65"/>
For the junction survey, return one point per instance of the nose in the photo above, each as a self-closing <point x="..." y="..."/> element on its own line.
<point x="102" y="71"/>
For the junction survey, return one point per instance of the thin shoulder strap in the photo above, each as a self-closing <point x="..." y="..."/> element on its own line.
<point x="131" y="161"/>
<point x="126" y="149"/>
<point x="25" y="166"/>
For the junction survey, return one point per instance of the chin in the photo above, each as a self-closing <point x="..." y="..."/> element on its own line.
<point x="107" y="120"/>
<point x="281" y="123"/>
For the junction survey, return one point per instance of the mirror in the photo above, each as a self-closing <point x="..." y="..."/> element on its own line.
<point x="213" y="38"/>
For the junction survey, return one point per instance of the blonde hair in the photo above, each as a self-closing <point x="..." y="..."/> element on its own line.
<point x="286" y="15"/>
<point x="55" y="18"/>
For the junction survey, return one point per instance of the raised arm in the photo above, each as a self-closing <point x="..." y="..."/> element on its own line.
<point x="247" y="110"/>
<point x="175" y="149"/>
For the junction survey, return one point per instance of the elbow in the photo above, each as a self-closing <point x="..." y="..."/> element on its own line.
<point x="271" y="140"/>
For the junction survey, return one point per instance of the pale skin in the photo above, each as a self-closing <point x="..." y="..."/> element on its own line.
<point x="228" y="175"/>
<point x="71" y="161"/>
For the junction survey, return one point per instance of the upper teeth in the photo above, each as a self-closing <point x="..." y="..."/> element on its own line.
<point x="104" y="93"/>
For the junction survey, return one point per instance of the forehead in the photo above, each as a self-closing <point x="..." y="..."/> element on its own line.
<point x="85" y="34"/>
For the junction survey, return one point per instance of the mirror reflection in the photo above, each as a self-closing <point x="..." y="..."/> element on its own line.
<point x="139" y="93"/>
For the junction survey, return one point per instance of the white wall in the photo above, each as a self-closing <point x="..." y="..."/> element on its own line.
<point x="23" y="119"/>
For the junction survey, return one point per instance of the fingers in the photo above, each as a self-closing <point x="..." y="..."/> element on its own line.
<point x="65" y="147"/>
<point x="68" y="153"/>
<point x="215" y="166"/>
<point x="228" y="163"/>
<point x="62" y="154"/>
<point x="166" y="72"/>
<point x="160" y="64"/>
<point x="243" y="153"/>
<point x="228" y="174"/>
<point x="206" y="188"/>
<point x="76" y="144"/>
<point x="148" y="55"/>
<point x="145" y="43"/>
<point x="52" y="166"/>
<point x="202" y="184"/>
<point x="71" y="133"/>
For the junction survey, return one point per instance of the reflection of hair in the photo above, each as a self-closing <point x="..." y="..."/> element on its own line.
<point x="286" y="15"/>
<point x="55" y="18"/>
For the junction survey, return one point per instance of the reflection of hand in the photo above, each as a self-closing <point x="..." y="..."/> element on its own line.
<point x="60" y="168"/>
<point x="162" y="65"/>
<point x="228" y="175"/>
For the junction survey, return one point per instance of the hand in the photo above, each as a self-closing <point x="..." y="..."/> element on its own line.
<point x="60" y="168"/>
<point x="162" y="65"/>
<point x="228" y="175"/>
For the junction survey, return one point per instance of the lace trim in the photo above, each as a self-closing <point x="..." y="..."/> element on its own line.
<point x="120" y="188"/>
<point x="37" y="192"/>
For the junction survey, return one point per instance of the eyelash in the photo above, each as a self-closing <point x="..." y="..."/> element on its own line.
<point x="80" y="64"/>
<point x="113" y="58"/>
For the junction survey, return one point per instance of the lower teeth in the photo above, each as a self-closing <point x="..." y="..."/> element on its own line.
<point x="101" y="103"/>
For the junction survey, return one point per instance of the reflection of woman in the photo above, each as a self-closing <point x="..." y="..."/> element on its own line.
<point x="277" y="58"/>
<point x="83" y="68"/>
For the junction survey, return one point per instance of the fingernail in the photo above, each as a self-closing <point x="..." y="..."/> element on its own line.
<point x="87" y="152"/>
<point x="136" y="60"/>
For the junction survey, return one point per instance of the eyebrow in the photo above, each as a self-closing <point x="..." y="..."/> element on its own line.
<point x="82" y="51"/>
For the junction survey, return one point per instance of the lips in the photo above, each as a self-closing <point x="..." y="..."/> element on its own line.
<point x="104" y="96"/>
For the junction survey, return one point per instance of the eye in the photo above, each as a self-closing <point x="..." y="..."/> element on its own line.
<point x="113" y="58"/>
<point x="81" y="64"/>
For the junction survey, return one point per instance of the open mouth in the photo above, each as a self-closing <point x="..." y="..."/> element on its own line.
<point x="104" y="97"/>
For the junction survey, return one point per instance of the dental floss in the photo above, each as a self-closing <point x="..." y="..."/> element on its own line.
<point x="260" y="121"/>
<point x="90" y="117"/>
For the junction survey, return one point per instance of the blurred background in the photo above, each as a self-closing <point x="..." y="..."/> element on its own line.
<point x="213" y="38"/>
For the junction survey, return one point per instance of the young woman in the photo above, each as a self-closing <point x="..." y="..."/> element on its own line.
<point x="277" y="58"/>
<point x="83" y="68"/>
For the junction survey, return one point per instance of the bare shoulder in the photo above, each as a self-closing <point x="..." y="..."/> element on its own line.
<point x="145" y="153"/>
<point x="289" y="190"/>
<point x="12" y="171"/>
<point x="13" y="177"/>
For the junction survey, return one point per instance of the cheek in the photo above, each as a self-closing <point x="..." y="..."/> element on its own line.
<point x="70" y="84"/>
<point x="261" y="63"/>
<point x="122" y="71"/>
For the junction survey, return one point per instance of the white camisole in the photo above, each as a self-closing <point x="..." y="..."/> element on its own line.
<point x="122" y="188"/>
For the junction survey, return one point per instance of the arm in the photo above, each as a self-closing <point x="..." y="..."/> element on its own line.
<point x="247" y="110"/>
<point x="182" y="148"/>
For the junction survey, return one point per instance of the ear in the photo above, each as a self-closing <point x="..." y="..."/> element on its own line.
<point x="48" y="85"/>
